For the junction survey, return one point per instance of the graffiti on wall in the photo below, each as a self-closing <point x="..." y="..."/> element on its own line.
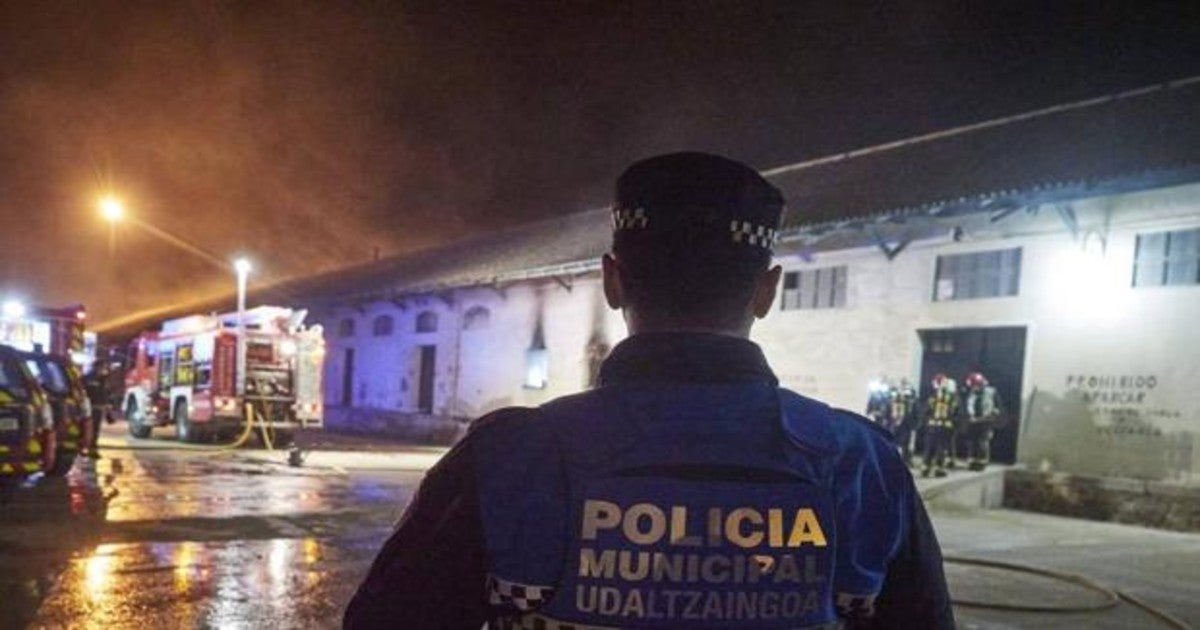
<point x="1123" y="404"/>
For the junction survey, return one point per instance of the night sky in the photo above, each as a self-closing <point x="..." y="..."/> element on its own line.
<point x="310" y="135"/>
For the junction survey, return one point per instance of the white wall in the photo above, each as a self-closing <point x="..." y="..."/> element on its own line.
<point x="479" y="370"/>
<point x="1082" y="315"/>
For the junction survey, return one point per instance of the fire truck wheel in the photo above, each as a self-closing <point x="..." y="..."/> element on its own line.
<point x="184" y="429"/>
<point x="138" y="427"/>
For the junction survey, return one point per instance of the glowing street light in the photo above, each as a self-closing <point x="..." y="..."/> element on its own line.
<point x="111" y="209"/>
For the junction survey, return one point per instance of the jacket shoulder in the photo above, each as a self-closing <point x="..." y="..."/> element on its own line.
<point x="505" y="416"/>
<point x="817" y="426"/>
<point x="858" y="423"/>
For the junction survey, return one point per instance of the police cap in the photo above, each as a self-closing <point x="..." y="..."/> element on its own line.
<point x="681" y="205"/>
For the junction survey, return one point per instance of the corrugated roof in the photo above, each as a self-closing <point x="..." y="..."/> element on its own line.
<point x="482" y="259"/>
<point x="1069" y="148"/>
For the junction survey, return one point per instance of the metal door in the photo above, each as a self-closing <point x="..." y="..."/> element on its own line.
<point x="425" y="382"/>
<point x="348" y="378"/>
<point x="998" y="353"/>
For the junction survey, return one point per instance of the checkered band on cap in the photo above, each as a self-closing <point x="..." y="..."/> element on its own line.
<point x="751" y="234"/>
<point x="523" y="597"/>
<point x="629" y="219"/>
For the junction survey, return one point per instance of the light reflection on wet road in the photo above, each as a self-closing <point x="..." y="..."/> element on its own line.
<point x="170" y="539"/>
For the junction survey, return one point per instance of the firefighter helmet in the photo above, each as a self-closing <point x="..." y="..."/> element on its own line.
<point x="976" y="380"/>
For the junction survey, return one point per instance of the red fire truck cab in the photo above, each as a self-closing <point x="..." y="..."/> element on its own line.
<point x="187" y="374"/>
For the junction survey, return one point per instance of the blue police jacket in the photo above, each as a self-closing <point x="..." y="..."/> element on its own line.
<point x="686" y="491"/>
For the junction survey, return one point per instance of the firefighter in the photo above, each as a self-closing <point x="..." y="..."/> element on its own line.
<point x="96" y="384"/>
<point x="877" y="400"/>
<point x="981" y="408"/>
<point x="940" y="411"/>
<point x="903" y="417"/>
<point x="761" y="508"/>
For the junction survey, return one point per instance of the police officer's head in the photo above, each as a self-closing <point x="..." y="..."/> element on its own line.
<point x="692" y="239"/>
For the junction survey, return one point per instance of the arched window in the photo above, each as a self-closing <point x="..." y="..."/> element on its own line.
<point x="346" y="327"/>
<point x="382" y="326"/>
<point x="476" y="318"/>
<point x="427" y="322"/>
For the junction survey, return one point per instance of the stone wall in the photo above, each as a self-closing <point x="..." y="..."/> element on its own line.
<point x="1118" y="500"/>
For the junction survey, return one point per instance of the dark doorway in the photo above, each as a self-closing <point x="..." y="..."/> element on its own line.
<point x="425" y="382"/>
<point x="999" y="353"/>
<point x="348" y="378"/>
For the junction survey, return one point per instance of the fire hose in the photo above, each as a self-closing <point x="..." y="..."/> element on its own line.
<point x="250" y="418"/>
<point x="1111" y="597"/>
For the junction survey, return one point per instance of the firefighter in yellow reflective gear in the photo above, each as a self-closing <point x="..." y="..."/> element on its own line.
<point x="940" y="411"/>
<point x="902" y="416"/>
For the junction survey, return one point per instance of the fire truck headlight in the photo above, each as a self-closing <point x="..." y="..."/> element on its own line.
<point x="287" y="348"/>
<point x="14" y="309"/>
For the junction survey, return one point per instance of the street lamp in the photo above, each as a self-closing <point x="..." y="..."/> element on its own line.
<point x="242" y="267"/>
<point x="111" y="209"/>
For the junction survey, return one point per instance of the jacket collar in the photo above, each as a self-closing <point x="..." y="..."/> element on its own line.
<point x="685" y="357"/>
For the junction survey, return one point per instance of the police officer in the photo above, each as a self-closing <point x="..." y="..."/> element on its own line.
<point x="981" y="408"/>
<point x="941" y="411"/>
<point x="687" y="489"/>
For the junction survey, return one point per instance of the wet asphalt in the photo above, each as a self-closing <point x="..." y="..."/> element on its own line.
<point x="186" y="538"/>
<point x="158" y="535"/>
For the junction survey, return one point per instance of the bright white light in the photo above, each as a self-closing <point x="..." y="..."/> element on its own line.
<point x="1086" y="283"/>
<point x="537" y="368"/>
<point x="14" y="309"/>
<point x="242" y="266"/>
<point x="112" y="209"/>
<point x="287" y="348"/>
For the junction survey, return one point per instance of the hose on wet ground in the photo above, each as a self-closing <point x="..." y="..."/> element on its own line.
<point x="250" y="419"/>
<point x="1111" y="597"/>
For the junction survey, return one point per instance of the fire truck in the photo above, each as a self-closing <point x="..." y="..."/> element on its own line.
<point x="188" y="374"/>
<point x="56" y="331"/>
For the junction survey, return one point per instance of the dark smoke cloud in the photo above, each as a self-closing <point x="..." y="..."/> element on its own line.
<point x="309" y="135"/>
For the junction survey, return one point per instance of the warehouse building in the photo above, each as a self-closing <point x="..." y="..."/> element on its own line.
<point x="1057" y="251"/>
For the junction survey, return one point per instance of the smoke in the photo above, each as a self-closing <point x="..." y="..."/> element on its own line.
<point x="307" y="135"/>
<point x="250" y="130"/>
